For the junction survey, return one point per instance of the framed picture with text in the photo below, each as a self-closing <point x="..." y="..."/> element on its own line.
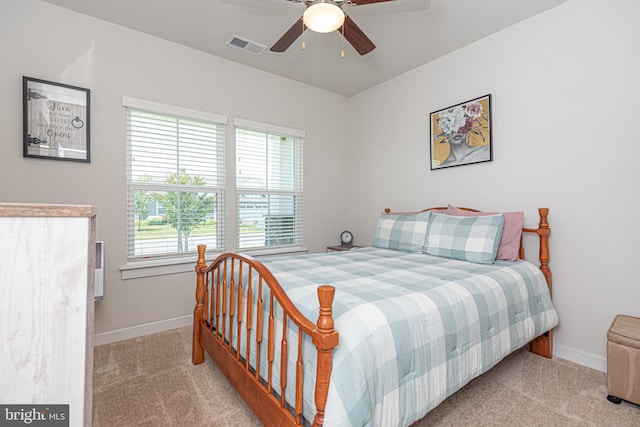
<point x="461" y="134"/>
<point x="55" y="121"/>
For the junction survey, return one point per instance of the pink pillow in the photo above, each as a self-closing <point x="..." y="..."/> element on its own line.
<point x="509" y="248"/>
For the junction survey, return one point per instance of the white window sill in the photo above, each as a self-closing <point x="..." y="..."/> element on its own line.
<point x="161" y="267"/>
<point x="136" y="270"/>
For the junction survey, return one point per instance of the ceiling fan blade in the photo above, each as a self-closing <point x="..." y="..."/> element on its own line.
<point x="289" y="37"/>
<point x="356" y="37"/>
<point x="361" y="2"/>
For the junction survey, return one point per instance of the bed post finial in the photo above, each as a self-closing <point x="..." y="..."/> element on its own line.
<point x="325" y="339"/>
<point x="197" y="354"/>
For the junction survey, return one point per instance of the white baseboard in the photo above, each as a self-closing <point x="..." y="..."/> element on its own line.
<point x="141" y="330"/>
<point x="581" y="358"/>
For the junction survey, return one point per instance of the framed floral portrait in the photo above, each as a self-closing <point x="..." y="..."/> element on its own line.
<point x="461" y="134"/>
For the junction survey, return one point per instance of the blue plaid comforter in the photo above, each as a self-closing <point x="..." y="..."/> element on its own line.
<point x="414" y="328"/>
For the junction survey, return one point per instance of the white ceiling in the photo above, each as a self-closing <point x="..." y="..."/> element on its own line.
<point x="407" y="33"/>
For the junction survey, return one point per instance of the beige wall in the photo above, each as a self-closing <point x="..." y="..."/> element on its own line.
<point x="565" y="86"/>
<point x="47" y="42"/>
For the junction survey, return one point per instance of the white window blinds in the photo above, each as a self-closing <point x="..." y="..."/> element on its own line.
<point x="175" y="180"/>
<point x="269" y="185"/>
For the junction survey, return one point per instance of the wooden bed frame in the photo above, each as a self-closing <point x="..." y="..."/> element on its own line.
<point x="220" y="318"/>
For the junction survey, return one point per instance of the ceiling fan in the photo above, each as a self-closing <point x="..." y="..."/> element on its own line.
<point x="331" y="17"/>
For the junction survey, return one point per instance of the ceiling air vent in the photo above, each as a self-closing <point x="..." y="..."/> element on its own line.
<point x="244" y="44"/>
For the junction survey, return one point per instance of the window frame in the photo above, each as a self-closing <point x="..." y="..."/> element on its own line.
<point x="144" y="266"/>
<point x="297" y="192"/>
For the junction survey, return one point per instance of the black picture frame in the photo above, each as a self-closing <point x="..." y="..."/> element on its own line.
<point x="461" y="134"/>
<point x="56" y="121"/>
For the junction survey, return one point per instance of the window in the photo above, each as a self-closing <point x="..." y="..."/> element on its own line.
<point x="175" y="180"/>
<point x="269" y="185"/>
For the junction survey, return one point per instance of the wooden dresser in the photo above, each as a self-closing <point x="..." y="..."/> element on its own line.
<point x="47" y="258"/>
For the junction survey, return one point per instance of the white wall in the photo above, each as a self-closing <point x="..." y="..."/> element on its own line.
<point x="565" y="86"/>
<point x="51" y="43"/>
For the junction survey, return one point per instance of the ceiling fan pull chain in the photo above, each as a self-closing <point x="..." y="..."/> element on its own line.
<point x="342" y="53"/>
<point x="302" y="35"/>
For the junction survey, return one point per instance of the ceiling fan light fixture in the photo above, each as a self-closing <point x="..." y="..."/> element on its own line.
<point x="323" y="17"/>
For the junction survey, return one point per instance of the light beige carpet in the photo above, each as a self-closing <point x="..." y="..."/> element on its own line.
<point x="150" y="381"/>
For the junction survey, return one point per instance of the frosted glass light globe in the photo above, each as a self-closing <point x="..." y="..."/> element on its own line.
<point x="323" y="17"/>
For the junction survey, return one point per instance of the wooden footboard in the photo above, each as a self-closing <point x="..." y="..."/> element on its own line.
<point x="228" y="325"/>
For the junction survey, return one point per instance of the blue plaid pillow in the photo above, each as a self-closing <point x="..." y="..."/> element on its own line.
<point x="401" y="232"/>
<point x="474" y="239"/>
